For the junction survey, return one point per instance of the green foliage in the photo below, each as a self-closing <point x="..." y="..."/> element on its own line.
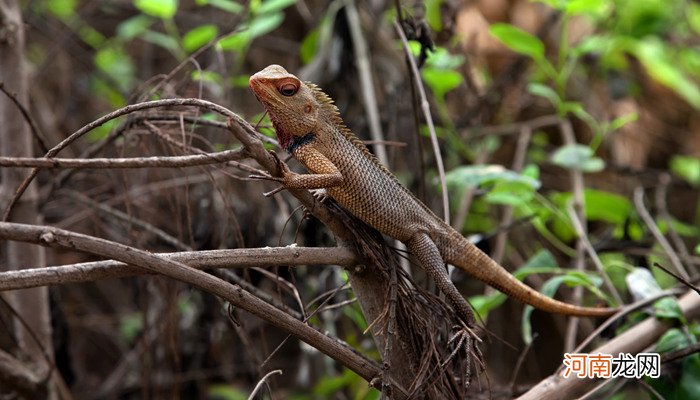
<point x="331" y="385"/>
<point x="687" y="168"/>
<point x="518" y="40"/>
<point x="263" y="17"/>
<point x="688" y="385"/>
<point x="225" y="392"/>
<point x="130" y="325"/>
<point x="164" y="9"/>
<point x="667" y="308"/>
<point x="199" y="36"/>
<point x="577" y="157"/>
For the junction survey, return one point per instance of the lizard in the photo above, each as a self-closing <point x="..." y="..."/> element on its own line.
<point x="309" y="127"/>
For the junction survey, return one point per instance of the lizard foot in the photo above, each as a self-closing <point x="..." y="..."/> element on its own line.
<point x="465" y="342"/>
<point x="284" y="170"/>
<point x="267" y="177"/>
<point x="321" y="195"/>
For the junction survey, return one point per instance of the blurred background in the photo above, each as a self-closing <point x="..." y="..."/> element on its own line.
<point x="524" y="95"/>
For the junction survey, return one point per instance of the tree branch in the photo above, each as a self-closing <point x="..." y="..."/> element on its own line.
<point x="236" y="258"/>
<point x="52" y="237"/>
<point x="133" y="162"/>
<point x="632" y="341"/>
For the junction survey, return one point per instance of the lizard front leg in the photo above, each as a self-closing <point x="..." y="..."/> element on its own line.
<point x="324" y="173"/>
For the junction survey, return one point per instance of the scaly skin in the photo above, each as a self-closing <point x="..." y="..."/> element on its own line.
<point x="309" y="127"/>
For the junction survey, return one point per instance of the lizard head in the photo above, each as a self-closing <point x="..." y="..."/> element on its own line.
<point x="292" y="104"/>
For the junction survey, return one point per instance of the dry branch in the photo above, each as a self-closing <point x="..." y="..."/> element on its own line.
<point x="52" y="237"/>
<point x="205" y="259"/>
<point x="134" y="162"/>
<point x="632" y="341"/>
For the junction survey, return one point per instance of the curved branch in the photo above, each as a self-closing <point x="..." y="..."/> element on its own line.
<point x="52" y="237"/>
<point x="116" y="114"/>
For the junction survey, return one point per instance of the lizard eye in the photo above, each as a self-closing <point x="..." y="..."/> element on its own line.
<point x="288" y="89"/>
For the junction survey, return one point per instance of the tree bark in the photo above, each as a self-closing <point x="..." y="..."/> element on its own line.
<point x="16" y="140"/>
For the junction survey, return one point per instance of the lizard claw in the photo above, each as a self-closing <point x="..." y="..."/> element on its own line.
<point x="321" y="195"/>
<point x="265" y="178"/>
<point x="274" y="191"/>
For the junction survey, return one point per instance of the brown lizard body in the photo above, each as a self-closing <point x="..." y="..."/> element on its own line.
<point x="309" y="127"/>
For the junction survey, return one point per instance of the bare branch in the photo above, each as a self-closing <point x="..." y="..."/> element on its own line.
<point x="236" y="258"/>
<point x="238" y="297"/>
<point x="133" y="162"/>
<point x="632" y="341"/>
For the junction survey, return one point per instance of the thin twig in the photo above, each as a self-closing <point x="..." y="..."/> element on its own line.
<point x="369" y="98"/>
<point x="651" y="224"/>
<point x="260" y="383"/>
<point x="661" y="207"/>
<point x="38" y="135"/>
<point x="680" y="279"/>
<point x="578" y="227"/>
<point x="161" y="234"/>
<point x="507" y="218"/>
<point x="116" y="114"/>
<point x="567" y="133"/>
<point x="425" y="106"/>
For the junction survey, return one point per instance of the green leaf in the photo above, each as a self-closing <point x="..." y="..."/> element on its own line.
<point x="672" y="340"/>
<point x="91" y="36"/>
<point x="164" y="9"/>
<point x="62" y="9"/>
<point x="606" y="206"/>
<point x="441" y="81"/>
<point x="543" y="261"/>
<point x="513" y="193"/>
<point x="577" y="157"/>
<point x="273" y="6"/>
<point x="222" y="391"/>
<point x="593" y="8"/>
<point x="134" y="26"/>
<point x="330" y="385"/>
<point x="472" y="176"/>
<point x="662" y="67"/>
<point x="113" y="61"/>
<point x="226" y="5"/>
<point x="237" y="41"/>
<point x="441" y="58"/>
<point x="545" y="91"/>
<point x="101" y="131"/>
<point x="687" y="168"/>
<point x="199" y="36"/>
<point x="693" y="12"/>
<point x="483" y="304"/>
<point x="623" y="120"/>
<point x="309" y="46"/>
<point x="162" y="40"/>
<point x="668" y="308"/>
<point x="433" y="15"/>
<point x="265" y="23"/>
<point x="518" y="40"/>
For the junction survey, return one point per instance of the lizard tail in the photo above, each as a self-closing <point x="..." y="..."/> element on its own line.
<point x="467" y="257"/>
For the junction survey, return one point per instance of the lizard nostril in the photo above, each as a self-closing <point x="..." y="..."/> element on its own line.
<point x="307" y="108"/>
